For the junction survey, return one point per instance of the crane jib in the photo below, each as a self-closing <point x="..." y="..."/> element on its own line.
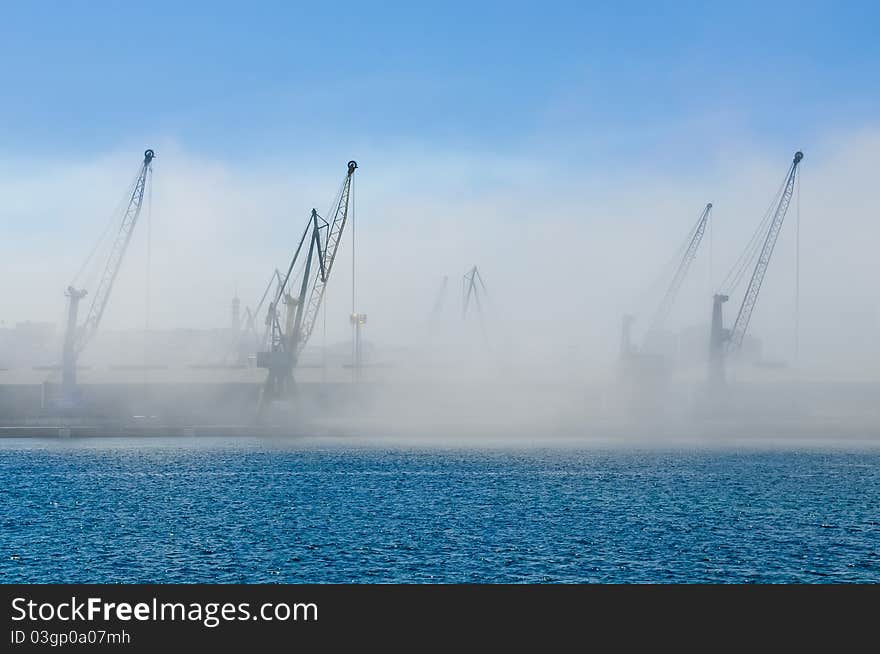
<point x="286" y="344"/>
<point x="668" y="301"/>
<point x="331" y="246"/>
<point x="738" y="332"/>
<point x="101" y="296"/>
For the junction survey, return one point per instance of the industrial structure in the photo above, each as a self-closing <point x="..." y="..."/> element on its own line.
<point x="76" y="336"/>
<point x="474" y="289"/>
<point x="723" y="342"/>
<point x="311" y="266"/>
<point x="628" y="350"/>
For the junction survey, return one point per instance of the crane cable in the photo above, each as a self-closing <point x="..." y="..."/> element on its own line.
<point x="354" y="326"/>
<point x="147" y="288"/>
<point x="711" y="255"/>
<point x="797" y="272"/>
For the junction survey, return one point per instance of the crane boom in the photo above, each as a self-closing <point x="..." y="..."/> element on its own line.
<point x="117" y="252"/>
<point x="738" y="331"/>
<point x="318" y="245"/>
<point x="76" y="338"/>
<point x="665" y="307"/>
<point x="304" y="328"/>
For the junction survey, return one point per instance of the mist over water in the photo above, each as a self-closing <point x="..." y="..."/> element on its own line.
<point x="538" y="356"/>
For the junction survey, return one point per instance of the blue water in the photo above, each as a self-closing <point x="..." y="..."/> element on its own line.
<point x="190" y="511"/>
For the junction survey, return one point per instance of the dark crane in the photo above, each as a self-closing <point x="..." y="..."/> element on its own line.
<point x="286" y="340"/>
<point x="723" y="341"/>
<point x="690" y="253"/>
<point x="77" y="337"/>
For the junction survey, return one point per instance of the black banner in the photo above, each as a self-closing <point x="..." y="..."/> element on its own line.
<point x="284" y="617"/>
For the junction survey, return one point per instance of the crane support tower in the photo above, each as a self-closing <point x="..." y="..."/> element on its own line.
<point x="77" y="337"/>
<point x="725" y="341"/>
<point x="287" y="339"/>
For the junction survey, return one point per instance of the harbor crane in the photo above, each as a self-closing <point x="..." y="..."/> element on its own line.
<point x="658" y="321"/>
<point x="76" y="336"/>
<point x="440" y="299"/>
<point x="287" y="339"/>
<point x="472" y="286"/>
<point x="726" y="341"/>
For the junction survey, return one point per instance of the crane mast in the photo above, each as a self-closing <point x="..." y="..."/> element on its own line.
<point x="738" y="331"/>
<point x="76" y="338"/>
<point x="690" y="253"/>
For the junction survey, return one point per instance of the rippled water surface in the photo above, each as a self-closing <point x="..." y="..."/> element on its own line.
<point x="189" y="511"/>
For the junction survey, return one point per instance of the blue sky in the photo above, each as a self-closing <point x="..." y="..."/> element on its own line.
<point x="615" y="80"/>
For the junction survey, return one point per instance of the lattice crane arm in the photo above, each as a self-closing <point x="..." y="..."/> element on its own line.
<point x="101" y="296"/>
<point x="327" y="256"/>
<point x="317" y="247"/>
<point x="690" y="253"/>
<point x="738" y="331"/>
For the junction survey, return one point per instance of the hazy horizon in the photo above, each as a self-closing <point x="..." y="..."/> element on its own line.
<point x="567" y="155"/>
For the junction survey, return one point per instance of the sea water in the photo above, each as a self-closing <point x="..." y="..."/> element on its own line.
<point x="191" y="510"/>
